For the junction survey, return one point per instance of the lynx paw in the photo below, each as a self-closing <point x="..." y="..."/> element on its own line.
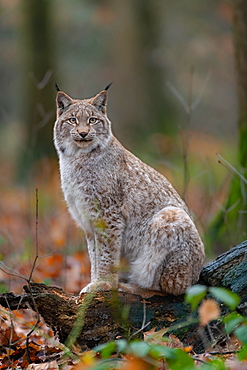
<point x="135" y="289"/>
<point x="98" y="286"/>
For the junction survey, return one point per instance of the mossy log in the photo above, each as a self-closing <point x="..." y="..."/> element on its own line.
<point x="93" y="319"/>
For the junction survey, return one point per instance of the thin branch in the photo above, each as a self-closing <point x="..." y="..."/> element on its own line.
<point x="223" y="352"/>
<point x="11" y="333"/>
<point x="185" y="136"/>
<point x="7" y="270"/>
<point x="41" y="84"/>
<point x="144" y="324"/>
<point x="31" y="272"/>
<point x="200" y="360"/>
<point x="191" y="106"/>
<point x="36" y="235"/>
<point x="11" y="272"/>
<point x="188" y="322"/>
<point x="178" y="96"/>
<point x="199" y="97"/>
<point x="228" y="166"/>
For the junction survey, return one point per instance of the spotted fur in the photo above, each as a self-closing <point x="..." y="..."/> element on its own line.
<point x="126" y="208"/>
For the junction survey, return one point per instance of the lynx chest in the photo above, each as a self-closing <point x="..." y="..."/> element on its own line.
<point x="89" y="192"/>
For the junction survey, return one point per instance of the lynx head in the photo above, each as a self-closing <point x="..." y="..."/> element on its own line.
<point x="81" y="124"/>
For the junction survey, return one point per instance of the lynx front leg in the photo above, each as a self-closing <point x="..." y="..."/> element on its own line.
<point x="92" y="256"/>
<point x="104" y="253"/>
<point x="173" y="253"/>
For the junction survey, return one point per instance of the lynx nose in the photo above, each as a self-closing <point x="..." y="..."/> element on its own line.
<point x="83" y="134"/>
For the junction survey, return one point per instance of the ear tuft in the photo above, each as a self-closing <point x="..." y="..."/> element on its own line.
<point x="56" y="87"/>
<point x="108" y="86"/>
<point x="100" y="101"/>
<point x="63" y="102"/>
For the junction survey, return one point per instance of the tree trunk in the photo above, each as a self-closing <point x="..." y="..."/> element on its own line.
<point x="97" y="318"/>
<point x="232" y="224"/>
<point x="38" y="86"/>
<point x="139" y="72"/>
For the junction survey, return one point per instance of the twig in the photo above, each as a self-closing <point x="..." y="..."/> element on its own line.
<point x="30" y="276"/>
<point x="7" y="270"/>
<point x="178" y="96"/>
<point x="11" y="333"/>
<point x="242" y="196"/>
<point x="41" y="84"/>
<point x="144" y="324"/>
<point x="188" y="322"/>
<point x="36" y="236"/>
<point x="198" y="98"/>
<point x="185" y="136"/>
<point x="228" y="166"/>
<point x="11" y="272"/>
<point x="200" y="360"/>
<point x="189" y="106"/>
<point x="223" y="353"/>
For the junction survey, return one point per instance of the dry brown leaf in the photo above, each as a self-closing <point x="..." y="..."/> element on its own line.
<point x="9" y="336"/>
<point x="53" y="365"/>
<point x="174" y="342"/>
<point x="153" y="336"/>
<point x="209" y="310"/>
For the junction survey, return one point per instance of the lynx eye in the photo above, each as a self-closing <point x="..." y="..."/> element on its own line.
<point x="73" y="120"/>
<point x="92" y="120"/>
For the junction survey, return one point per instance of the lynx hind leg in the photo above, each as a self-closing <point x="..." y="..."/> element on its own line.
<point x="179" y="273"/>
<point x="173" y="255"/>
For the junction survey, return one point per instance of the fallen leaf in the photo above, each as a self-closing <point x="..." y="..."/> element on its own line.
<point x="174" y="342"/>
<point x="209" y="310"/>
<point x="53" y="365"/>
<point x="153" y="336"/>
<point x="9" y="336"/>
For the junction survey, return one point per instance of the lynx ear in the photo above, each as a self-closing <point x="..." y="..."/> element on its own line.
<point x="63" y="101"/>
<point x="100" y="101"/>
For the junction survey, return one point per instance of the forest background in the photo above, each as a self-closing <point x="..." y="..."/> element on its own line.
<point x="174" y="103"/>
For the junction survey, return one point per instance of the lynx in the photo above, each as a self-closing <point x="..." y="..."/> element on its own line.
<point x="127" y="209"/>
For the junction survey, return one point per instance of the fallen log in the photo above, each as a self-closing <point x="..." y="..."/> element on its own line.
<point x="229" y="270"/>
<point x="97" y="318"/>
